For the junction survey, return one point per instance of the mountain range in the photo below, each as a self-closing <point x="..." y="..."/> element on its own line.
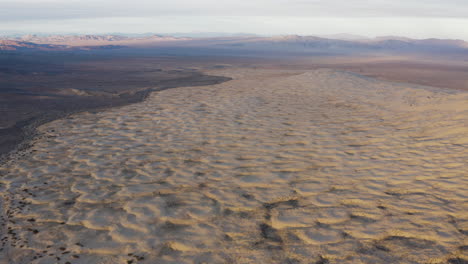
<point x="16" y="45"/>
<point x="303" y="43"/>
<point x="96" y="40"/>
<point x="11" y="45"/>
<point x="296" y="43"/>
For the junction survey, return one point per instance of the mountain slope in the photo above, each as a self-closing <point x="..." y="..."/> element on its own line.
<point x="12" y="45"/>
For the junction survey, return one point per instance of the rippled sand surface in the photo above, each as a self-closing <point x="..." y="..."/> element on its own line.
<point x="272" y="167"/>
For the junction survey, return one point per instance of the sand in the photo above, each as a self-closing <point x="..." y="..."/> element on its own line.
<point x="272" y="167"/>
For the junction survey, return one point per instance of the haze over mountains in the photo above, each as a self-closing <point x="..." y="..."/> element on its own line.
<point x="77" y="42"/>
<point x="341" y="43"/>
<point x="15" y="45"/>
<point x="96" y="40"/>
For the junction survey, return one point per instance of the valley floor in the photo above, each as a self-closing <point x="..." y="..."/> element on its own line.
<point x="275" y="166"/>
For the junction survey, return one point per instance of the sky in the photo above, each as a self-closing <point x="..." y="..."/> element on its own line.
<point x="410" y="18"/>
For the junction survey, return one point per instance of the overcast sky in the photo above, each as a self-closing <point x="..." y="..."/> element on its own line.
<point x="412" y="18"/>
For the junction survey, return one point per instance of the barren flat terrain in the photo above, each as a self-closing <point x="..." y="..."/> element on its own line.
<point x="275" y="166"/>
<point x="39" y="87"/>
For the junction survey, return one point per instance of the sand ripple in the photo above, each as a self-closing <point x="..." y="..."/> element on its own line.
<point x="272" y="167"/>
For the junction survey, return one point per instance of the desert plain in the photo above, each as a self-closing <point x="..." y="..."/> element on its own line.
<point x="275" y="164"/>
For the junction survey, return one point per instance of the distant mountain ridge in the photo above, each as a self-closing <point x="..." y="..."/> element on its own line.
<point x="60" y="38"/>
<point x="10" y="45"/>
<point x="15" y="45"/>
<point x="95" y="40"/>
<point x="286" y="43"/>
<point x="303" y="43"/>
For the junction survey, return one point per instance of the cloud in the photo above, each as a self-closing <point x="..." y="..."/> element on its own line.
<point x="414" y="18"/>
<point x="63" y="9"/>
<point x="268" y="25"/>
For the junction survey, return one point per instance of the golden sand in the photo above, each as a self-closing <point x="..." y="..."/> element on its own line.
<point x="272" y="167"/>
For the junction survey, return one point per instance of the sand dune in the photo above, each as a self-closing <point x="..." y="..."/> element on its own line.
<point x="272" y="167"/>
